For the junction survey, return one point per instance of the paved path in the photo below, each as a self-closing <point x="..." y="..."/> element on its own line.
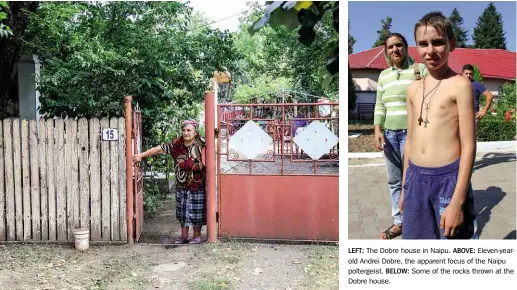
<point x="369" y="209"/>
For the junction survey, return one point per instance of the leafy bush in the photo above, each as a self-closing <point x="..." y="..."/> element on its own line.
<point x="507" y="100"/>
<point x="153" y="197"/>
<point x="495" y="128"/>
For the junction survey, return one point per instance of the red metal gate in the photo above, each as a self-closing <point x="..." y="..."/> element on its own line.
<point x="277" y="171"/>
<point x="138" y="177"/>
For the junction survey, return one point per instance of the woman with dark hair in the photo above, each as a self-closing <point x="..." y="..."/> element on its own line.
<point x="390" y="118"/>
<point x="188" y="152"/>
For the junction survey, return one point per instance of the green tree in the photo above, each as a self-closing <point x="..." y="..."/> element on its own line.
<point x="307" y="16"/>
<point x="93" y="54"/>
<point x="351" y="40"/>
<point x="5" y="31"/>
<point x="384" y="32"/>
<point x="351" y="90"/>
<point x="489" y="32"/>
<point x="273" y="53"/>
<point x="477" y="76"/>
<point x="15" y="16"/>
<point x="459" y="32"/>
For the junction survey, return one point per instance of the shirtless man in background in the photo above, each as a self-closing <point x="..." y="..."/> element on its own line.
<point x="437" y="194"/>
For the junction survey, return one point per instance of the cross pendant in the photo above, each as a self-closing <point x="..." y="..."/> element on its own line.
<point x="426" y="122"/>
<point x="420" y="121"/>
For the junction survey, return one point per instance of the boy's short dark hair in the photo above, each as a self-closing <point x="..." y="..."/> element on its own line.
<point x="468" y="67"/>
<point x="437" y="20"/>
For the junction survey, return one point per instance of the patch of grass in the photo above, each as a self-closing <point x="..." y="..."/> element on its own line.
<point x="322" y="268"/>
<point x="60" y="266"/>
<point x="221" y="262"/>
<point x="366" y="141"/>
<point x="211" y="283"/>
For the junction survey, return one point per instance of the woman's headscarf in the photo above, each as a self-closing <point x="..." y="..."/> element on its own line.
<point x="194" y="123"/>
<point x="407" y="61"/>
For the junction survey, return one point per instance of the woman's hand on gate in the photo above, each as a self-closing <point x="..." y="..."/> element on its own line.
<point x="137" y="158"/>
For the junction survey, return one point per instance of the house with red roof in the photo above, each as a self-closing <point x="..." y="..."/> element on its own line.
<point x="497" y="67"/>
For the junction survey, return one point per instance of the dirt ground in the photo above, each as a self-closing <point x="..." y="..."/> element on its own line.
<point x="363" y="143"/>
<point x="146" y="265"/>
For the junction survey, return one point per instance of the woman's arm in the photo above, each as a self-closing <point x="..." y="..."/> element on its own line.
<point x="151" y="152"/>
<point x="379" y="116"/>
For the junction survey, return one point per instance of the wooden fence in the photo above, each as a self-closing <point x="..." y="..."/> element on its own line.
<point x="58" y="174"/>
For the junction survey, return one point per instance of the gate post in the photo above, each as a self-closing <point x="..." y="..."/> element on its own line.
<point x="129" y="170"/>
<point x="211" y="208"/>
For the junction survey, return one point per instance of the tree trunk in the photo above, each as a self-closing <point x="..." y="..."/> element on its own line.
<point x="11" y="49"/>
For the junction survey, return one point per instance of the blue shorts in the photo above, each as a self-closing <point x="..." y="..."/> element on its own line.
<point x="427" y="192"/>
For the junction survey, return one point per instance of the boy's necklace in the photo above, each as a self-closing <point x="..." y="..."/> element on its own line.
<point x="420" y="120"/>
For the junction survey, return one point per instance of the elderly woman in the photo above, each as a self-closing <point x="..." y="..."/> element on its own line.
<point x="391" y="117"/>
<point x="188" y="152"/>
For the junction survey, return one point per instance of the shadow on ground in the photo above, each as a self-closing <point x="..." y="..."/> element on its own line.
<point x="163" y="228"/>
<point x="510" y="236"/>
<point x="493" y="158"/>
<point x="485" y="201"/>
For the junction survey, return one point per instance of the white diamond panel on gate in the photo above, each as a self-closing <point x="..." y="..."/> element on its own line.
<point x="316" y="140"/>
<point x="250" y="141"/>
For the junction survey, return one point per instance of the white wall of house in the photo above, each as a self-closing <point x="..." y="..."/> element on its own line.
<point x="372" y="74"/>
<point x="495" y="85"/>
<point x="364" y="97"/>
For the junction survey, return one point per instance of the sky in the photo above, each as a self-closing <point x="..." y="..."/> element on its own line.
<point x="365" y="18"/>
<point x="221" y="9"/>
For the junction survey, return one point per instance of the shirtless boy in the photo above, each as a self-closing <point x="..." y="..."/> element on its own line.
<point x="437" y="194"/>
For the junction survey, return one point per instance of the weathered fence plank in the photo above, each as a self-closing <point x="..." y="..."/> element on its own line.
<point x="60" y="181"/>
<point x="84" y="176"/>
<point x="42" y="148"/>
<point x="51" y="177"/>
<point x="105" y="183"/>
<point x="58" y="174"/>
<point x="115" y="229"/>
<point x="122" y="177"/>
<point x="18" y="194"/>
<point x="2" y="182"/>
<point x="10" y="219"/>
<point x="72" y="189"/>
<point x="35" y="184"/>
<point x="95" y="181"/>
<point x="26" y="183"/>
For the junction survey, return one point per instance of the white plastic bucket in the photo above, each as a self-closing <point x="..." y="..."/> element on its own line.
<point x="82" y="239"/>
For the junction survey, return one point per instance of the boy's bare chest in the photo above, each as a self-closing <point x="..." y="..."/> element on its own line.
<point x="437" y="105"/>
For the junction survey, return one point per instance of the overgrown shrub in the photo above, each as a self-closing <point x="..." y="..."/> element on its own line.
<point x="153" y="197"/>
<point x="495" y="128"/>
<point x="507" y="100"/>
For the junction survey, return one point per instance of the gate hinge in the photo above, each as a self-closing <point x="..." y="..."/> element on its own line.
<point x="217" y="217"/>
<point x="216" y="132"/>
